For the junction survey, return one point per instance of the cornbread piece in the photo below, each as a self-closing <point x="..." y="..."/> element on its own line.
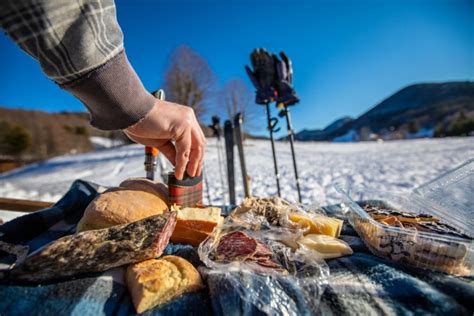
<point x="317" y="224"/>
<point x="329" y="247"/>
<point x="98" y="250"/>
<point x="157" y="281"/>
<point x="134" y="200"/>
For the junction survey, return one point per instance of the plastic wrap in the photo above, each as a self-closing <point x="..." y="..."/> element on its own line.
<point x="449" y="197"/>
<point x="255" y="253"/>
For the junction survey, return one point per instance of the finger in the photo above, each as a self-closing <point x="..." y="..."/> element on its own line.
<point x="197" y="150"/>
<point x="194" y="160"/>
<point x="203" y="145"/>
<point x="169" y="150"/>
<point x="183" y="149"/>
<point x="200" y="166"/>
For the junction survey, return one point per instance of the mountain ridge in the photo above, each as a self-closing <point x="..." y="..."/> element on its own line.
<point x="422" y="106"/>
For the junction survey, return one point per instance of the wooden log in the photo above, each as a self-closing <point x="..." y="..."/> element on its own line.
<point x="18" y="205"/>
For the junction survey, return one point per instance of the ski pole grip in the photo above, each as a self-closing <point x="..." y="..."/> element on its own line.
<point x="151" y="151"/>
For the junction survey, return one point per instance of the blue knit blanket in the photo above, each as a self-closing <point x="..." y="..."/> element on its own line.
<point x="361" y="284"/>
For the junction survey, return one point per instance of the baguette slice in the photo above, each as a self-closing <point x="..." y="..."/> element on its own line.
<point x="158" y="281"/>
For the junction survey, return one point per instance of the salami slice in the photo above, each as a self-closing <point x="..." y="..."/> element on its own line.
<point x="235" y="246"/>
<point x="238" y="246"/>
<point x="262" y="250"/>
<point x="98" y="250"/>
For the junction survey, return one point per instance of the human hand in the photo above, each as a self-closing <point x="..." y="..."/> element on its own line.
<point x="167" y="122"/>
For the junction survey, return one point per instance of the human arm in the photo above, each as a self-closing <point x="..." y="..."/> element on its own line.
<point x="79" y="45"/>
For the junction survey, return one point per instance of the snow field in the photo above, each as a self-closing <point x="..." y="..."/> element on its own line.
<point x="393" y="166"/>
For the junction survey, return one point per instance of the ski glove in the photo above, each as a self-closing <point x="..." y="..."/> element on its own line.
<point x="262" y="76"/>
<point x="286" y="94"/>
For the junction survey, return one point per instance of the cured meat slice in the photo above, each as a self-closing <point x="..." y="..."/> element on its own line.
<point x="236" y="245"/>
<point x="98" y="250"/>
<point x="262" y="250"/>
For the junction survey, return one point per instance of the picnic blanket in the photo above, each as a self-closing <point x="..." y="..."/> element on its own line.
<point x="360" y="284"/>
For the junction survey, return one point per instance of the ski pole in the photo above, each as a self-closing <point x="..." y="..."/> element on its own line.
<point x="229" y="150"/>
<point x="286" y="113"/>
<point x="151" y="153"/>
<point x="150" y="162"/>
<point x="206" y="183"/>
<point x="238" y="120"/>
<point x="271" y="127"/>
<point x="217" y="132"/>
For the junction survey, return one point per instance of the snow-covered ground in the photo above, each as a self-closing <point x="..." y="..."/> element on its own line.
<point x="394" y="165"/>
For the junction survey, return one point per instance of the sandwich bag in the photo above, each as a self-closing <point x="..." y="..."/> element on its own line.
<point x="260" y="268"/>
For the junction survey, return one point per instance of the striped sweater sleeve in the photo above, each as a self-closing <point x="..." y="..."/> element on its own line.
<point x="79" y="45"/>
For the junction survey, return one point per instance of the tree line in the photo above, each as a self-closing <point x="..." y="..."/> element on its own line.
<point x="190" y="81"/>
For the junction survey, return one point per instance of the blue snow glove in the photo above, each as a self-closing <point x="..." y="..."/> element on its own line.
<point x="286" y="94"/>
<point x="262" y="75"/>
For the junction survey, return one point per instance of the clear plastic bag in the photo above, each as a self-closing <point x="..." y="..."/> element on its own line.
<point x="256" y="257"/>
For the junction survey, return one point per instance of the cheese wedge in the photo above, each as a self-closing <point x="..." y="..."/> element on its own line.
<point x="317" y="224"/>
<point x="329" y="247"/>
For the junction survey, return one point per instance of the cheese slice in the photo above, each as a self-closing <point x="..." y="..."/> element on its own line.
<point x="329" y="247"/>
<point x="318" y="224"/>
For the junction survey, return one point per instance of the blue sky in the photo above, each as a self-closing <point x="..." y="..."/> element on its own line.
<point x="347" y="55"/>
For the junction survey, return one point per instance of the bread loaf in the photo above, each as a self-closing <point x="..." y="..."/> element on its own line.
<point x="202" y="219"/>
<point x="194" y="225"/>
<point x="157" y="281"/>
<point x="134" y="200"/>
<point x="142" y="184"/>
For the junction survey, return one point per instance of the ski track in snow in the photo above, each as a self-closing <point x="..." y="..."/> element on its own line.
<point x="391" y="166"/>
